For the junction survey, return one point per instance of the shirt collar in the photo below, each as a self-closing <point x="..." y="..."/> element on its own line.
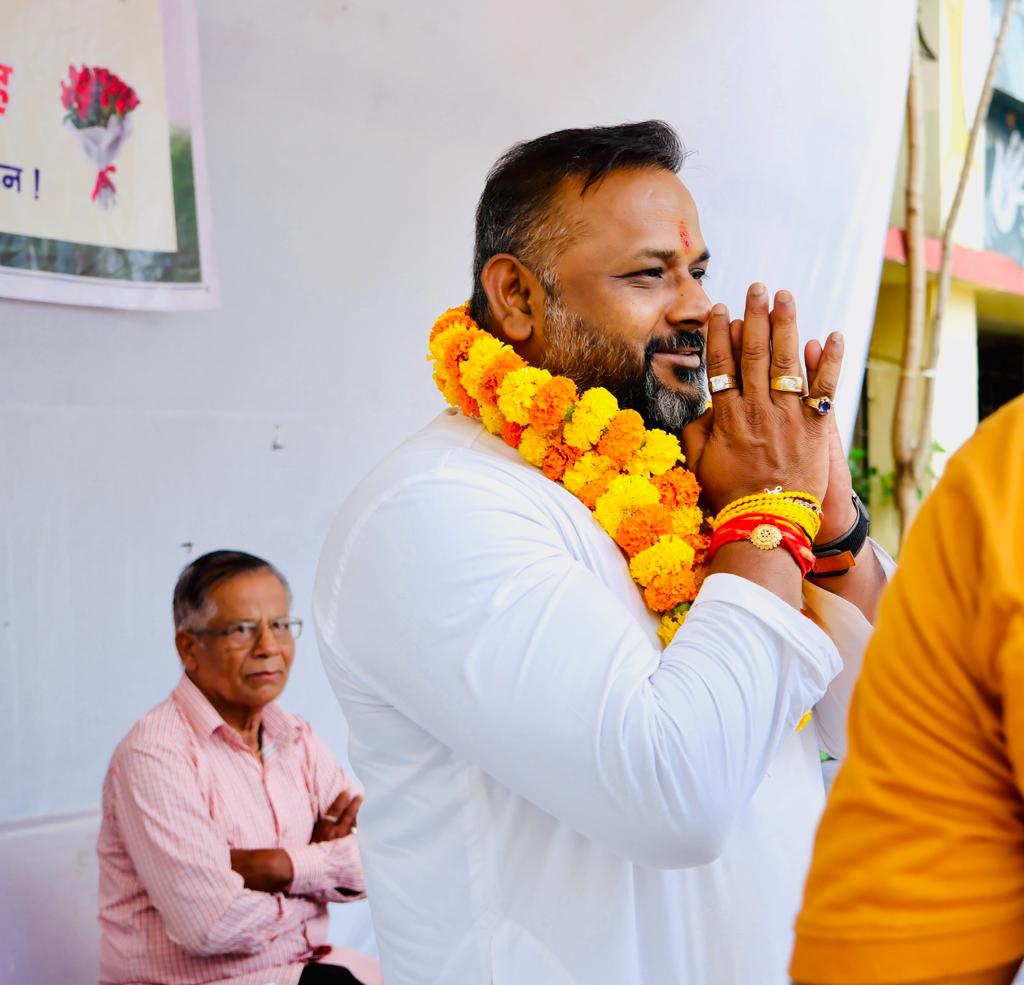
<point x="278" y="726"/>
<point x="205" y="720"/>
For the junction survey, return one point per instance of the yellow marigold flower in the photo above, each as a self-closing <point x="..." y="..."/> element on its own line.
<point x="533" y="446"/>
<point x="592" y="414"/>
<point x="450" y="388"/>
<point x="687" y="520"/>
<point x="670" y="553"/>
<point x="440" y="340"/>
<point x="669" y="626"/>
<point x="482" y="353"/>
<point x="659" y="453"/>
<point x="436" y="356"/>
<point x="494" y="375"/>
<point x="449" y="346"/>
<point x="492" y="418"/>
<point x="625" y="495"/>
<point x="590" y="467"/>
<point x="515" y="395"/>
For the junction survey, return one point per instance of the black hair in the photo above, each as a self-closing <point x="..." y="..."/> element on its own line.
<point x="191" y="593"/>
<point x="517" y="199"/>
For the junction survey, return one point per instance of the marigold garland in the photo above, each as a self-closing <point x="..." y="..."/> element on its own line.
<point x="629" y="476"/>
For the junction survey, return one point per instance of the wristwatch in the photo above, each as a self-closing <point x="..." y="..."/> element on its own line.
<point x="836" y="557"/>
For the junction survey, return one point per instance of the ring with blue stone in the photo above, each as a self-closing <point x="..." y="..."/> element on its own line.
<point x="822" y="405"/>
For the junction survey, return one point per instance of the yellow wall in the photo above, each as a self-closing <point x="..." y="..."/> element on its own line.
<point x="881" y="382"/>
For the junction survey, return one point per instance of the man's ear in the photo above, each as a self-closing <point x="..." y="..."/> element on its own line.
<point x="515" y="297"/>
<point x="186" y="643"/>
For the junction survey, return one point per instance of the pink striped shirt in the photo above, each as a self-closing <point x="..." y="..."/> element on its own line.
<point x="182" y="790"/>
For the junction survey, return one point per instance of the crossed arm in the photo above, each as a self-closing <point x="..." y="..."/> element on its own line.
<point x="205" y="892"/>
<point x="270" y="870"/>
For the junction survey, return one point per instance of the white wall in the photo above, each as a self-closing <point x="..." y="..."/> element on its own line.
<point x="347" y="142"/>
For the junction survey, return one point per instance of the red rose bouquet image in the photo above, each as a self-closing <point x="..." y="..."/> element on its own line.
<point x="98" y="104"/>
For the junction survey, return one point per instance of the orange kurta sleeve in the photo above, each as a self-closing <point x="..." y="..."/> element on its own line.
<point x="918" y="867"/>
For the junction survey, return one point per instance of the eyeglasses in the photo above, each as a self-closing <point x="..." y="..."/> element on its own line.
<point x="243" y="635"/>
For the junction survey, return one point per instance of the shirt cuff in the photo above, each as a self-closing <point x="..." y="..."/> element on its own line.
<point x="326" y="866"/>
<point x="309" y="867"/>
<point x="839" y="616"/>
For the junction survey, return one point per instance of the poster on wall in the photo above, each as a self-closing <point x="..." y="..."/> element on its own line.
<point x="1004" y="178"/>
<point x="103" y="194"/>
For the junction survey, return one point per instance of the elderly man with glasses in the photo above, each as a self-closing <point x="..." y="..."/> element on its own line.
<point x="227" y="824"/>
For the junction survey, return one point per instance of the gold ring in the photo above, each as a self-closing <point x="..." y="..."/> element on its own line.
<point x="822" y="405"/>
<point x="724" y="381"/>
<point x="787" y="384"/>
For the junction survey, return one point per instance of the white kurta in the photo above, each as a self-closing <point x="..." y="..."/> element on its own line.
<point x="551" y="798"/>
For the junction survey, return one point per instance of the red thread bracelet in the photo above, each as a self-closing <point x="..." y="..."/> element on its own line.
<point x="766" y="532"/>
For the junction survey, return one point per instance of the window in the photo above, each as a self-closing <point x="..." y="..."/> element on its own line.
<point x="1000" y="368"/>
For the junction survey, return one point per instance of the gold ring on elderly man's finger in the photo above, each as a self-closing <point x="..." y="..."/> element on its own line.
<point x="725" y="381"/>
<point x="787" y="384"/>
<point x="820" y="405"/>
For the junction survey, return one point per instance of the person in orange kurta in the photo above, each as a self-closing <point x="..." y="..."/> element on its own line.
<point x="918" y="871"/>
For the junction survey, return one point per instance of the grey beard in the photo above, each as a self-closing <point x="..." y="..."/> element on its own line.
<point x="672" y="410"/>
<point x="572" y="345"/>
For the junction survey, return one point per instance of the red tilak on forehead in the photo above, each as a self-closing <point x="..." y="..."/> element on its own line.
<point x="684" y="237"/>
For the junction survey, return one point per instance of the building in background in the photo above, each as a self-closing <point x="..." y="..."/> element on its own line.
<point x="981" y="362"/>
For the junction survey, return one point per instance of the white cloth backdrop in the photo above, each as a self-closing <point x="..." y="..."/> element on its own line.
<point x="131" y="442"/>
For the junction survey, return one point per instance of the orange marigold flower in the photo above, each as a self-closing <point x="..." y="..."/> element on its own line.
<point x="449" y="318"/>
<point x="595" y="489"/>
<point x="678" y="487"/>
<point x="491" y="378"/>
<point x="643" y="528"/>
<point x="664" y="592"/>
<point x="456" y="351"/>
<point x="467" y="404"/>
<point x="623" y="438"/>
<point x="700" y="544"/>
<point x="558" y="458"/>
<point x="512" y="433"/>
<point x="551" y="403"/>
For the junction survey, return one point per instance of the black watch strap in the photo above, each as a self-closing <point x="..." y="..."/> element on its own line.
<point x="836" y="557"/>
